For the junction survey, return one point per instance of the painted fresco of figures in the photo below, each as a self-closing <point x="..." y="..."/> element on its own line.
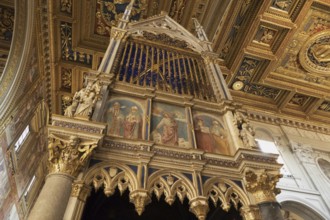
<point x="124" y="119"/>
<point x="169" y="126"/>
<point x="210" y="135"/>
<point x="133" y="124"/>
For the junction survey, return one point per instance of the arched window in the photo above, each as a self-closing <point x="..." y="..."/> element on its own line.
<point x="266" y="144"/>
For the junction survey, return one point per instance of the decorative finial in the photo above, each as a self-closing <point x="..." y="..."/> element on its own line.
<point x="200" y="31"/>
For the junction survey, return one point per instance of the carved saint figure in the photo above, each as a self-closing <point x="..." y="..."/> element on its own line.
<point x="247" y="135"/>
<point x="132" y="124"/>
<point x="115" y="120"/>
<point x="83" y="101"/>
<point x="169" y="128"/>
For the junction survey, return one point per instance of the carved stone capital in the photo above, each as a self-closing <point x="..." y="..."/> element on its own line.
<point x="80" y="190"/>
<point x="262" y="185"/>
<point x="250" y="213"/>
<point x="199" y="206"/>
<point x="69" y="154"/>
<point x="140" y="198"/>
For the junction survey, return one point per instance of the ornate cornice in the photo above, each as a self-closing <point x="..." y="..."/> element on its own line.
<point x="242" y="156"/>
<point x="279" y="120"/>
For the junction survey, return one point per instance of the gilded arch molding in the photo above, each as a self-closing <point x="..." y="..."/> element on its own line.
<point x="12" y="77"/>
<point x="168" y="183"/>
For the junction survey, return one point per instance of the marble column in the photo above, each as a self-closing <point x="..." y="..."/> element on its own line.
<point x="67" y="155"/>
<point x="262" y="185"/>
<point x="270" y="210"/>
<point x="53" y="198"/>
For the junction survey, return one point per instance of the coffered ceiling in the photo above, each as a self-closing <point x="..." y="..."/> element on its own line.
<point x="275" y="54"/>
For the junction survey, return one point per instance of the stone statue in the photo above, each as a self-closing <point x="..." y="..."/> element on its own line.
<point x="247" y="135"/>
<point x="84" y="101"/>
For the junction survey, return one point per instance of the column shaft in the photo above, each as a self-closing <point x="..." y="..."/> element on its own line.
<point x="53" y="198"/>
<point x="270" y="211"/>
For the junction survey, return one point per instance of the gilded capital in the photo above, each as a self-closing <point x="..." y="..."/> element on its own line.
<point x="68" y="155"/>
<point x="262" y="185"/>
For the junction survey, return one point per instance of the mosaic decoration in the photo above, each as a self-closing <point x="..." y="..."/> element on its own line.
<point x="66" y="78"/>
<point x="260" y="90"/>
<point x="299" y="99"/>
<point x="284" y="5"/>
<point x="325" y="106"/>
<point x="67" y="53"/>
<point x="164" y="70"/>
<point x="124" y="118"/>
<point x="108" y="12"/>
<point x="6" y="23"/>
<point x="169" y="125"/>
<point x="210" y="134"/>
<point x="314" y="55"/>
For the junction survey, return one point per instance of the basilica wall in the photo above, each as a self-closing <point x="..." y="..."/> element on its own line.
<point x="306" y="180"/>
<point x="24" y="113"/>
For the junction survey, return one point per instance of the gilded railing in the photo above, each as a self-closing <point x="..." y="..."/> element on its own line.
<point x="165" y="69"/>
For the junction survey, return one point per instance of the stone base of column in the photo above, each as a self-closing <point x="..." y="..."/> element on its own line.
<point x="53" y="198"/>
<point x="270" y="211"/>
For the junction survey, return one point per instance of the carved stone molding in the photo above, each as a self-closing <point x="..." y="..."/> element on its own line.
<point x="304" y="153"/>
<point x="314" y="55"/>
<point x="276" y="120"/>
<point x="262" y="185"/>
<point x="140" y="198"/>
<point x="80" y="190"/>
<point x="200" y="207"/>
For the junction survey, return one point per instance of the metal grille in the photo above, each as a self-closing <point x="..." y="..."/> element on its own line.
<point x="165" y="70"/>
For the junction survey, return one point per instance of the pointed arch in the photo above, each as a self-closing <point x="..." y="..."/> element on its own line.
<point x="226" y="192"/>
<point x="171" y="184"/>
<point x="111" y="175"/>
